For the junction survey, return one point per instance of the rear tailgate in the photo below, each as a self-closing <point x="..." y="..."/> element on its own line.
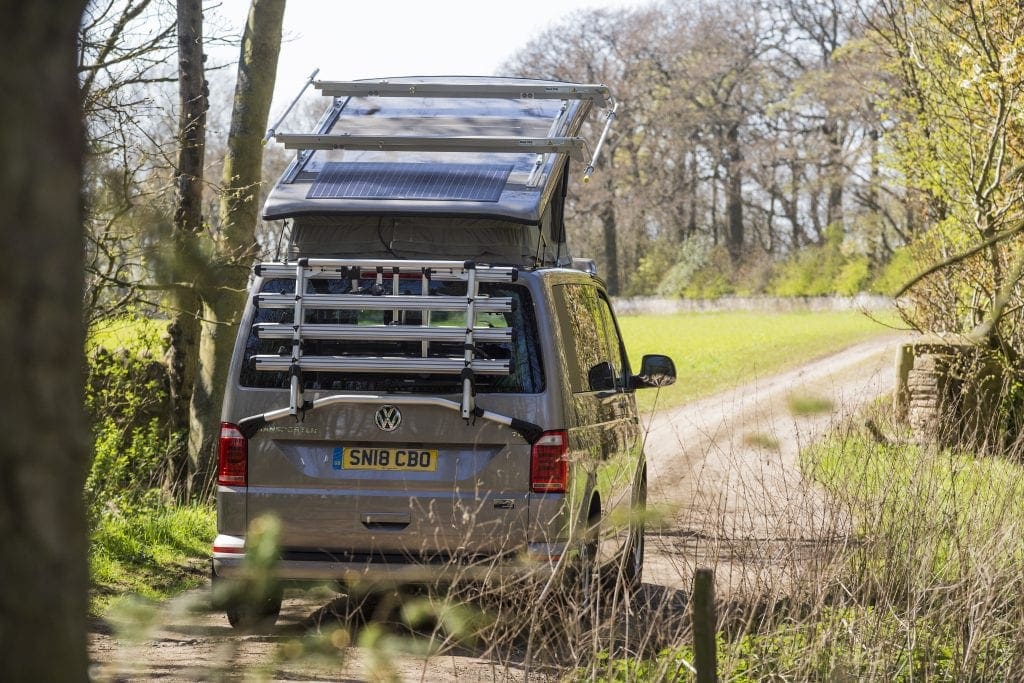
<point x="433" y="486"/>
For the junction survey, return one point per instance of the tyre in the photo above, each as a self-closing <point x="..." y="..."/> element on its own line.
<point x="245" y="611"/>
<point x="583" y="578"/>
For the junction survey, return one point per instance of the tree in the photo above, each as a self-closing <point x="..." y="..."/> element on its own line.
<point x="600" y="46"/>
<point x="960" y="78"/>
<point x="224" y="285"/>
<point x="124" y="47"/>
<point x="188" y="264"/>
<point x="44" y="453"/>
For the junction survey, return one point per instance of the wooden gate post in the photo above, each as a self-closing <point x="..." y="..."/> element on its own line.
<point x="705" y="626"/>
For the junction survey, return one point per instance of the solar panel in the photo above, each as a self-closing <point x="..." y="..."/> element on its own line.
<point x="424" y="181"/>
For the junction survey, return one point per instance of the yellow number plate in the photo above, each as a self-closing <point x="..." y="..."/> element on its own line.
<point x="374" y="458"/>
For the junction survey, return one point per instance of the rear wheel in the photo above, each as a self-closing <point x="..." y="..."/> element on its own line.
<point x="583" y="580"/>
<point x="244" y="610"/>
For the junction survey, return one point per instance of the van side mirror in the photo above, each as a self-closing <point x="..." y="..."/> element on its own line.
<point x="655" y="371"/>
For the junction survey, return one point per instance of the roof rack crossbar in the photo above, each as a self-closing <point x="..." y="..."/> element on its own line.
<point x="598" y="93"/>
<point x="573" y="146"/>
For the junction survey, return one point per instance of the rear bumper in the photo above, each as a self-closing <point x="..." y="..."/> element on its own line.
<point x="540" y="561"/>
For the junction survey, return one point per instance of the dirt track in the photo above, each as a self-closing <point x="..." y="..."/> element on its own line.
<point x="723" y="472"/>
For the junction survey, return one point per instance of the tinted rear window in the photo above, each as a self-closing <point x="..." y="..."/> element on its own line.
<point x="523" y="352"/>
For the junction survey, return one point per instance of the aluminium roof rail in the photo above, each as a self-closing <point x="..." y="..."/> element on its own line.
<point x="573" y="146"/>
<point x="598" y="93"/>
<point x="466" y="365"/>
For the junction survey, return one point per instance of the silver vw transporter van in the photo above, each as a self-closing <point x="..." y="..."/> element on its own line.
<point x="425" y="389"/>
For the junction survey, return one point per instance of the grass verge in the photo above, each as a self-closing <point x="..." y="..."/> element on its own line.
<point x="920" y="577"/>
<point x="153" y="554"/>
<point x="713" y="351"/>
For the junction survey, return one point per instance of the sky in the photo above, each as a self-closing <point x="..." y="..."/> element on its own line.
<point x="379" y="38"/>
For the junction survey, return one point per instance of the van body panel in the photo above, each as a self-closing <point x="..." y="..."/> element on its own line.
<point x="476" y="500"/>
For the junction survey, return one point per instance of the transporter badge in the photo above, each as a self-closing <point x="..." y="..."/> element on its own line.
<point x="387" y="418"/>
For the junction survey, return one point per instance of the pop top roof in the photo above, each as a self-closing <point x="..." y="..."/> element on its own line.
<point x="493" y="147"/>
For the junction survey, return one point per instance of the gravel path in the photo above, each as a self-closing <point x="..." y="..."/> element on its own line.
<point x="725" y="472"/>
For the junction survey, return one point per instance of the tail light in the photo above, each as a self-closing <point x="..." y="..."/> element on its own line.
<point x="549" y="470"/>
<point x="233" y="456"/>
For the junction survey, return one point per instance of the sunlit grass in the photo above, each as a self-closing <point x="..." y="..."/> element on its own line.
<point x="713" y="351"/>
<point x="150" y="553"/>
<point x="944" y="512"/>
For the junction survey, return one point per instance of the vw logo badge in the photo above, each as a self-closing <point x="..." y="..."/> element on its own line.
<point x="387" y="418"/>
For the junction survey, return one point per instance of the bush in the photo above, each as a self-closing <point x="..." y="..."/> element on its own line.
<point x="896" y="273"/>
<point x="714" y="279"/>
<point x="128" y="404"/>
<point x="667" y="269"/>
<point x="853" y="277"/>
<point x="813" y="270"/>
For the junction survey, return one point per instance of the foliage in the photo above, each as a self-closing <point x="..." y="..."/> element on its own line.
<point x="853" y="277"/>
<point x="954" y="91"/>
<point x="897" y="271"/>
<point x="714" y="278"/>
<point x="668" y="269"/>
<point x="748" y="128"/>
<point x="710" y="355"/>
<point x="815" y="270"/>
<point x="128" y="405"/>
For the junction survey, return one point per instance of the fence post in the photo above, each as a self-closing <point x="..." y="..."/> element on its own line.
<point x="705" y="626"/>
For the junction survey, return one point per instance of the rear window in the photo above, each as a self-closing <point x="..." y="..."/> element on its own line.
<point x="523" y="352"/>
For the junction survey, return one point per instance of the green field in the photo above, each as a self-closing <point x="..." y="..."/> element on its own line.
<point x="714" y="351"/>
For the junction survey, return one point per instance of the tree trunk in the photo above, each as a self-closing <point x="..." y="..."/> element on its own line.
<point x="188" y="266"/>
<point x="691" y="218"/>
<point x="224" y="297"/>
<point x="792" y="207"/>
<point x="44" y="451"/>
<point x="715" y="177"/>
<point x="611" y="249"/>
<point x="834" y="209"/>
<point x="734" y="195"/>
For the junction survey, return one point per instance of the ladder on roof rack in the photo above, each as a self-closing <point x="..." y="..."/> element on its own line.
<point x="466" y="366"/>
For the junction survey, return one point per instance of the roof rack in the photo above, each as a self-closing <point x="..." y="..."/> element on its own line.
<point x="554" y="142"/>
<point x="466" y="366"/>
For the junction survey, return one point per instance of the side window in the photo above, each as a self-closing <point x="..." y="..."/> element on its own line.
<point x="589" y="357"/>
<point x="617" y="350"/>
